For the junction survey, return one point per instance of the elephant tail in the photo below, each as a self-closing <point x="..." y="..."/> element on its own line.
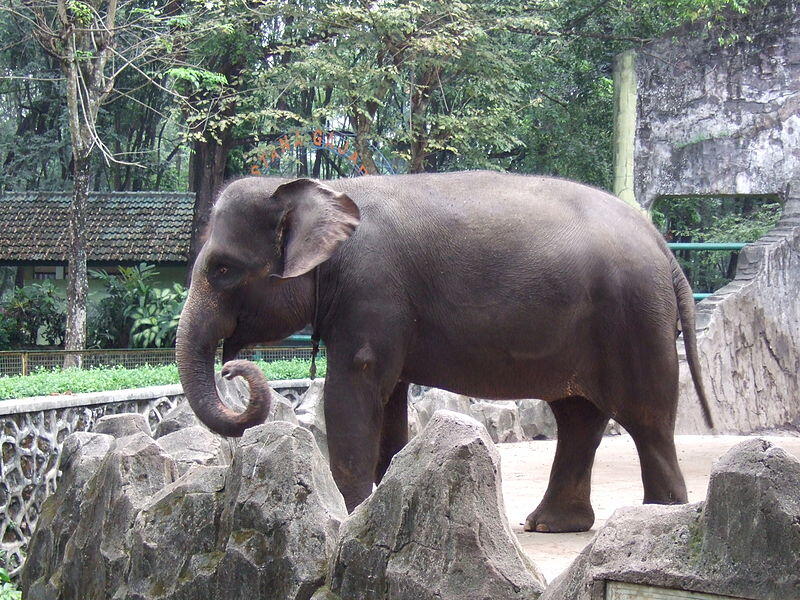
<point x="683" y="293"/>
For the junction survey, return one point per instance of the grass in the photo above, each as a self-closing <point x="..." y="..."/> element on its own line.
<point x="75" y="381"/>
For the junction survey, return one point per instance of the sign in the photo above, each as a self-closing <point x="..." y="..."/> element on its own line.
<point x="617" y="590"/>
<point x="319" y="139"/>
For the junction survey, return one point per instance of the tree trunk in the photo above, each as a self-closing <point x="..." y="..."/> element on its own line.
<point x="77" y="280"/>
<point x="206" y="176"/>
<point x="363" y="128"/>
<point x="420" y="100"/>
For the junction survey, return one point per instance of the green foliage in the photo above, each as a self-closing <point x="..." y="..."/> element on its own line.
<point x="134" y="312"/>
<point x="155" y="318"/>
<point x="81" y="12"/>
<point x="198" y="79"/>
<point x="8" y="589"/>
<point x="45" y="382"/>
<point x="32" y="311"/>
<point x="713" y="219"/>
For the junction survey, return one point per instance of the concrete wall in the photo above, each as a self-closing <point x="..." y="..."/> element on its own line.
<point x="721" y="119"/>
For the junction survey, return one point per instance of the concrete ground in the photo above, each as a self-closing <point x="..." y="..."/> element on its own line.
<point x="616" y="482"/>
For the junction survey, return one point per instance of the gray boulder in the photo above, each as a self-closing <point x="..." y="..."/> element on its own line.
<point x="81" y="457"/>
<point x="281" y="517"/>
<point x="435" y="528"/>
<point x="282" y="410"/>
<point x="501" y="420"/>
<point x="95" y="559"/>
<point x="743" y="541"/>
<point x="428" y="400"/>
<point x="176" y="419"/>
<point x="310" y="414"/>
<point x="173" y="544"/>
<point x="235" y="393"/>
<point x="196" y="445"/>
<point x="536" y="420"/>
<point x="122" y="425"/>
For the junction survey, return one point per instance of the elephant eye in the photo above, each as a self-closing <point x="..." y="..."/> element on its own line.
<point x="222" y="269"/>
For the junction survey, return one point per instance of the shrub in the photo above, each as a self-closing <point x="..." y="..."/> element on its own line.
<point x="60" y="381"/>
<point x="30" y="311"/>
<point x="713" y="219"/>
<point x="134" y="312"/>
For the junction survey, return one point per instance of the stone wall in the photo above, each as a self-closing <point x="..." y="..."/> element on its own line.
<point x="718" y="119"/>
<point x="33" y="431"/>
<point x="748" y="336"/>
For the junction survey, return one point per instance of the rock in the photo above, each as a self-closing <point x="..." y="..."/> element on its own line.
<point x="536" y="420"/>
<point x="123" y="526"/>
<point x="311" y="414"/>
<point x="95" y="559"/>
<point x="751" y="521"/>
<point x="743" y="541"/>
<point x="235" y="393"/>
<point x="282" y="410"/>
<point x="436" y="526"/>
<point x="122" y="425"/>
<point x="428" y="400"/>
<point x="178" y="418"/>
<point x="81" y="457"/>
<point x="414" y="426"/>
<point x="195" y="446"/>
<point x="281" y="517"/>
<point x="174" y="552"/>
<point x="500" y="420"/>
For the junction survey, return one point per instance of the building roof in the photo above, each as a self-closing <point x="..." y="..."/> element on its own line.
<point x="153" y="227"/>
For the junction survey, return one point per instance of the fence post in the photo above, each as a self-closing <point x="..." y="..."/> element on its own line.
<point x="24" y="363"/>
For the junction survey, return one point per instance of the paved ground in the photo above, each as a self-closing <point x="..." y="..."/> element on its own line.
<point x="616" y="482"/>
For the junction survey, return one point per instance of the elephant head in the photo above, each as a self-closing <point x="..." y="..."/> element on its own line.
<point x="252" y="283"/>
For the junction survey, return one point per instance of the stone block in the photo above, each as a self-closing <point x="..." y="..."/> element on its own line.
<point x="435" y="528"/>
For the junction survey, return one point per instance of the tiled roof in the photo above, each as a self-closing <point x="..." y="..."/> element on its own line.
<point x="121" y="226"/>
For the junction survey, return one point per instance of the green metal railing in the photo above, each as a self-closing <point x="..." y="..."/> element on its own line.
<point x="723" y="246"/>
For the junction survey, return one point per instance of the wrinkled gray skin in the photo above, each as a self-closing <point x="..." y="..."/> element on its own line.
<point x="486" y="284"/>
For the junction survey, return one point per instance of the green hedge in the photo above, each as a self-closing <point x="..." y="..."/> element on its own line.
<point x="75" y="381"/>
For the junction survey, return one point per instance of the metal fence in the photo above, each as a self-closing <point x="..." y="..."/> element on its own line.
<point x="714" y="246"/>
<point x="27" y="362"/>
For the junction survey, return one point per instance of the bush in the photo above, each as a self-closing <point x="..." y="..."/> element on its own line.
<point x="8" y="589"/>
<point x="134" y="313"/>
<point x="61" y="381"/>
<point x="31" y="311"/>
<point x="713" y="219"/>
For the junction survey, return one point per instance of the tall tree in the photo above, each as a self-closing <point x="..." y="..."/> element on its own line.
<point x="92" y="42"/>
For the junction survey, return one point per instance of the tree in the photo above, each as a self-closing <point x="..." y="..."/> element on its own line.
<point x="93" y="43"/>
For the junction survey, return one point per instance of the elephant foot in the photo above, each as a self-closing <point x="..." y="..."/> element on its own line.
<point x="560" y="518"/>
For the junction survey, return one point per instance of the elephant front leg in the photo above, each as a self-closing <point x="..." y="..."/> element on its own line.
<point x="353" y="418"/>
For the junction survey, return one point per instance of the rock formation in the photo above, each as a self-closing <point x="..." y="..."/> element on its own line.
<point x="435" y="528"/>
<point x="743" y="541"/>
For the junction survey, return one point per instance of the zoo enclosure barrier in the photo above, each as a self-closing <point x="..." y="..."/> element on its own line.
<point x="719" y="246"/>
<point x="26" y="362"/>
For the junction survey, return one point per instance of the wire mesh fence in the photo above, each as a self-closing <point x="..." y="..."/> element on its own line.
<point x="27" y="362"/>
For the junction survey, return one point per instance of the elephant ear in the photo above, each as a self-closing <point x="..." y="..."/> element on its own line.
<point x="316" y="220"/>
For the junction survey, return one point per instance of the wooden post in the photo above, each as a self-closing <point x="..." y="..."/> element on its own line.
<point x="24" y="363"/>
<point x="624" y="125"/>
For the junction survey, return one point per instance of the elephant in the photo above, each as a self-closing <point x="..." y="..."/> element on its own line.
<point x="487" y="284"/>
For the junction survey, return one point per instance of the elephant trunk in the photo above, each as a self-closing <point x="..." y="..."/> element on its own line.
<point x="195" y="349"/>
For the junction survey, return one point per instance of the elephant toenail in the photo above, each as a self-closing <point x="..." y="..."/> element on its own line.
<point x="542" y="528"/>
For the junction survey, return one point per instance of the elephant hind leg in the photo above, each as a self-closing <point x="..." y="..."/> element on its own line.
<point x="566" y="505"/>
<point x="661" y="475"/>
<point x="394" y="431"/>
